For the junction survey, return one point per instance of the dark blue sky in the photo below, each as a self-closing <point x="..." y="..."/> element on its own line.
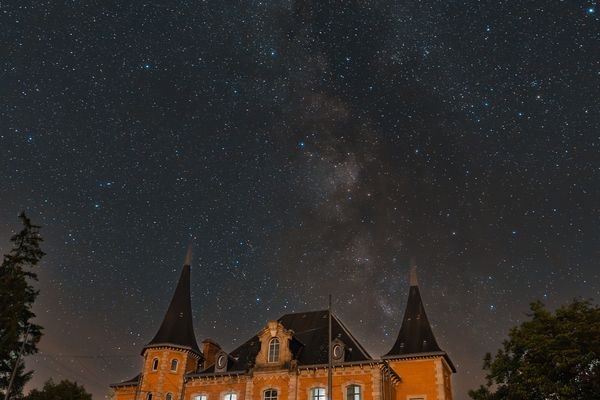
<point x="304" y="148"/>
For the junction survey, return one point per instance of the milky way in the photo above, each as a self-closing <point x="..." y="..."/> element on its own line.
<point x="303" y="148"/>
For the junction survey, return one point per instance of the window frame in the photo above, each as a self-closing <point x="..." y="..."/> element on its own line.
<point x="227" y="395"/>
<point x="274" y="348"/>
<point x="352" y="396"/>
<point x="316" y="396"/>
<point x="271" y="390"/>
<point x="176" y="362"/>
<point x="221" y="357"/>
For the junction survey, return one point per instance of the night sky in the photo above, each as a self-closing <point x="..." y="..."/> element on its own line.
<point x="303" y="147"/>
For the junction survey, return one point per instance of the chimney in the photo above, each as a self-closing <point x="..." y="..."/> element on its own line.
<point x="210" y="348"/>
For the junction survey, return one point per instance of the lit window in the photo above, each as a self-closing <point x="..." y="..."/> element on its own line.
<point x="270" y="394"/>
<point x="169" y="396"/>
<point x="174" y="365"/>
<point x="230" y="396"/>
<point x="317" y="394"/>
<point x="274" y="350"/>
<point x="149" y="396"/>
<point x="200" y="397"/>
<point x="353" y="392"/>
<point x="155" y="364"/>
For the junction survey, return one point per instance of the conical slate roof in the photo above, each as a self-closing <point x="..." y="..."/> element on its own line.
<point x="177" y="327"/>
<point x="415" y="336"/>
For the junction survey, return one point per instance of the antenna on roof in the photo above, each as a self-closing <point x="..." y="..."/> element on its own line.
<point x="188" y="256"/>
<point x="329" y="355"/>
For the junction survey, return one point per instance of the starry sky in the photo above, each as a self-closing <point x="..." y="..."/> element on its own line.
<point x="303" y="147"/>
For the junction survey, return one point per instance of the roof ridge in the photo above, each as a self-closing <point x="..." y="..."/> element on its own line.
<point x="302" y="312"/>
<point x="361" y="348"/>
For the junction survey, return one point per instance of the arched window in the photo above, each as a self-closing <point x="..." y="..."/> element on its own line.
<point x="169" y="396"/>
<point x="270" y="394"/>
<point x="353" y="392"/>
<point x="155" y="364"/>
<point x="273" y="350"/>
<point x="174" y="365"/>
<point x="230" y="396"/>
<point x="149" y="396"/>
<point x="200" y="397"/>
<point x="317" y="394"/>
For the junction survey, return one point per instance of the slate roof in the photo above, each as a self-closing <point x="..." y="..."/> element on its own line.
<point x="416" y="336"/>
<point x="309" y="343"/>
<point x="133" y="381"/>
<point x="177" y="327"/>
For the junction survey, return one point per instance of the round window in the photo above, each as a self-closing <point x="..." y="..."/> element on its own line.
<point x="337" y="351"/>
<point x="221" y="361"/>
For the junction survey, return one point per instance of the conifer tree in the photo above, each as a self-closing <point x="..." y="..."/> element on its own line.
<point x="17" y="296"/>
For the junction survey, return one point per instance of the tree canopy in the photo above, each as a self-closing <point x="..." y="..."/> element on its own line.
<point x="65" y="390"/>
<point x="551" y="356"/>
<point x="17" y="296"/>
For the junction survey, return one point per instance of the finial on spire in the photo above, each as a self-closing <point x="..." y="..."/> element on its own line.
<point x="413" y="275"/>
<point x="188" y="256"/>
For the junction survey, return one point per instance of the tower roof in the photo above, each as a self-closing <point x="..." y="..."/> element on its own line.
<point x="416" y="336"/>
<point x="177" y="328"/>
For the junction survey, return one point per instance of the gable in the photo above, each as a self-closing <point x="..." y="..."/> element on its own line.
<point x="308" y="344"/>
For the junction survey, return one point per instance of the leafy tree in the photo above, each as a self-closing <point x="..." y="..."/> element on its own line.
<point x="551" y="356"/>
<point x="16" y="301"/>
<point x="65" y="390"/>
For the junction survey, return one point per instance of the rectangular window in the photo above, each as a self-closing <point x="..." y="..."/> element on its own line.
<point x="353" y="392"/>
<point x="273" y="350"/>
<point x="318" y="394"/>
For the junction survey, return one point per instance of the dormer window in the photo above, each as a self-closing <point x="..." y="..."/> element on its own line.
<point x="273" y="350"/>
<point x="338" y="350"/>
<point x="221" y="361"/>
<point x="174" y="363"/>
<point x="155" y="364"/>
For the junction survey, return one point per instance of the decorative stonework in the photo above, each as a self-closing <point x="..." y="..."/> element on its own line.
<point x="274" y="329"/>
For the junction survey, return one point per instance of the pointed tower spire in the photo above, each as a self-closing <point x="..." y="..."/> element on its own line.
<point x="416" y="336"/>
<point x="188" y="256"/>
<point x="413" y="276"/>
<point x="177" y="328"/>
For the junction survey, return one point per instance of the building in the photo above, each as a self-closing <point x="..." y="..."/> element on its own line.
<point x="289" y="360"/>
